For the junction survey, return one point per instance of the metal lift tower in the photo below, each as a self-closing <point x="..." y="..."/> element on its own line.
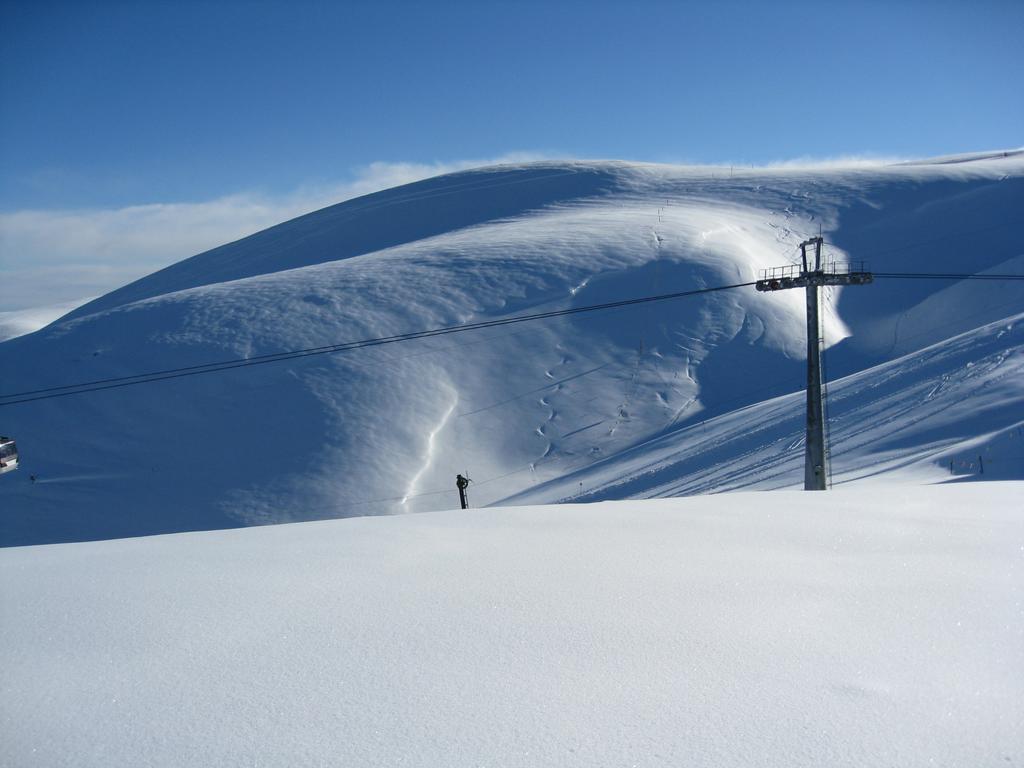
<point x="803" y="276"/>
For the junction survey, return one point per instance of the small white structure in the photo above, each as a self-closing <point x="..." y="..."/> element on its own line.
<point x="8" y="454"/>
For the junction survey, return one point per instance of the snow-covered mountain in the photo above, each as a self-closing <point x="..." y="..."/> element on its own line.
<point x="694" y="395"/>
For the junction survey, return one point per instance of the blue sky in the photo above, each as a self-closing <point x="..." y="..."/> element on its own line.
<point x="127" y="103"/>
<point x="108" y="105"/>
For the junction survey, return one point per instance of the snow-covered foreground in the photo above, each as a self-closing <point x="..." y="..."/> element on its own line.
<point x="856" y="627"/>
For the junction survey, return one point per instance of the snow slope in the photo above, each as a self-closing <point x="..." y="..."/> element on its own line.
<point x="859" y="627"/>
<point x="385" y="430"/>
<point x="951" y="412"/>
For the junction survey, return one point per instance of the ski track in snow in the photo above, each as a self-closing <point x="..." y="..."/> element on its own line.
<point x="429" y="457"/>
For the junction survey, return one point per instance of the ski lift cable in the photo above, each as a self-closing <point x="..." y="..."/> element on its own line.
<point x="944" y="276"/>
<point x="15" y="398"/>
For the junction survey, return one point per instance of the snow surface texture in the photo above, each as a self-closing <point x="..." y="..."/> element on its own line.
<point x="856" y="628"/>
<point x="548" y="410"/>
<point x="946" y="406"/>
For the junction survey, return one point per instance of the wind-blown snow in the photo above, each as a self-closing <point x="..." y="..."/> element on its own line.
<point x="375" y="431"/>
<point x="858" y="627"/>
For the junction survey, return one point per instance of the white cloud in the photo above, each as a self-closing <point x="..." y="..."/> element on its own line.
<point x="20" y="322"/>
<point x="51" y="257"/>
<point x="837" y="162"/>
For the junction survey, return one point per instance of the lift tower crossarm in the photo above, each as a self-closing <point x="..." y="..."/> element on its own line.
<point x="803" y="276"/>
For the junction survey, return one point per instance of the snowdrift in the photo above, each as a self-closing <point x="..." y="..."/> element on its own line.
<point x="858" y="627"/>
<point x="548" y="410"/>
